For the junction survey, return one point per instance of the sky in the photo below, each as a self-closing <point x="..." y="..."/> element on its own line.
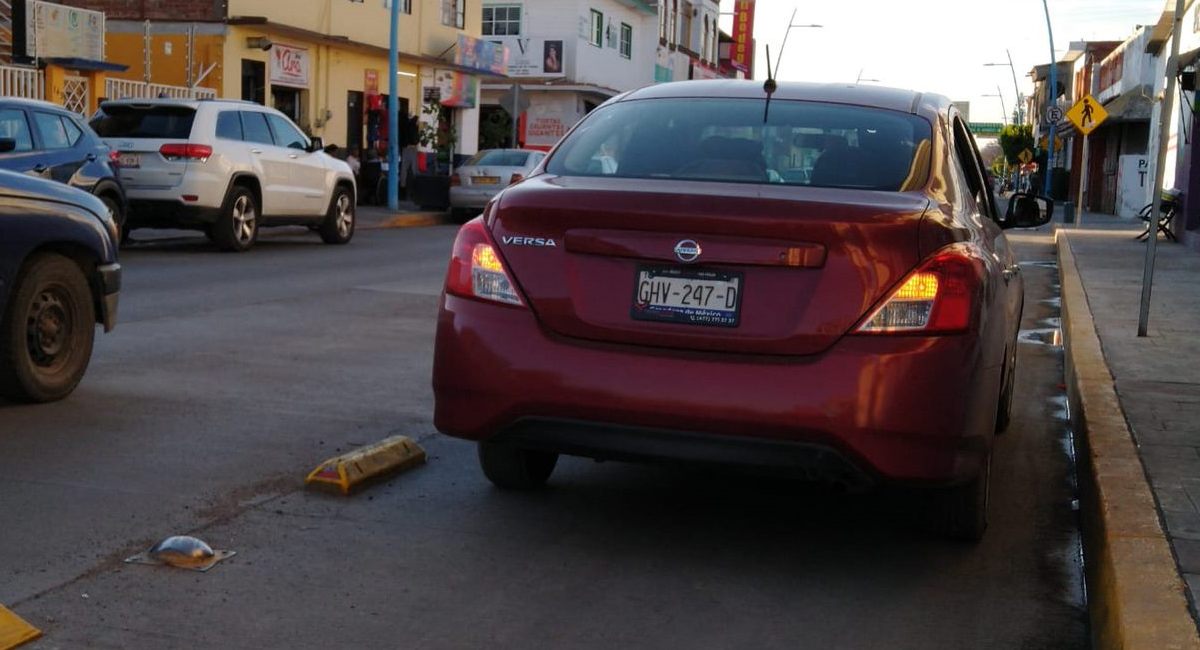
<point x="938" y="46"/>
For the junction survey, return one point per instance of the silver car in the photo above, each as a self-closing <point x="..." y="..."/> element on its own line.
<point x="483" y="176"/>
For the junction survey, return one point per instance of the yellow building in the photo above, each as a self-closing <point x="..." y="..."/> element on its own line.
<point x="319" y="61"/>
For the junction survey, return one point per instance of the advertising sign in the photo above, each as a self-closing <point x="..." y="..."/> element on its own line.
<point x="534" y="57"/>
<point x="53" y="30"/>
<point x="289" y="66"/>
<point x="742" y="56"/>
<point x="484" y="56"/>
<point x="456" y="89"/>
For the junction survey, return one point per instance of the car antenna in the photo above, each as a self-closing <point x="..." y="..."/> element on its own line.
<point x="768" y="85"/>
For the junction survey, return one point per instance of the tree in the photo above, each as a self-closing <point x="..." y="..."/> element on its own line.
<point x="1014" y="139"/>
<point x="438" y="132"/>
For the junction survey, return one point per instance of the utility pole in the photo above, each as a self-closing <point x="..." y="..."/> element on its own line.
<point x="393" y="111"/>
<point x="1050" y="100"/>
<point x="1164" y="137"/>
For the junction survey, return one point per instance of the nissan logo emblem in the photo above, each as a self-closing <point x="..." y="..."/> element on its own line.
<point x="687" y="250"/>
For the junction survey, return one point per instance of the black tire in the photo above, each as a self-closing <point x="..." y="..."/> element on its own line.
<point x="47" y="331"/>
<point x="960" y="512"/>
<point x="236" y="229"/>
<point x="1008" y="379"/>
<point x="514" y="468"/>
<point x="119" y="216"/>
<point x="338" y="226"/>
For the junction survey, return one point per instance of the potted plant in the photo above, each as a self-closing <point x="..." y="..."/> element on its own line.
<point x="431" y="189"/>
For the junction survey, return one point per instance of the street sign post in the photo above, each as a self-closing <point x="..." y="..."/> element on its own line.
<point x="1087" y="114"/>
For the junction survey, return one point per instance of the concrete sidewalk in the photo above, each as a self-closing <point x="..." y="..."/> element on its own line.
<point x="1135" y="407"/>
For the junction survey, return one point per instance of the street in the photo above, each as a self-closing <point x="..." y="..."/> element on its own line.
<point x="229" y="377"/>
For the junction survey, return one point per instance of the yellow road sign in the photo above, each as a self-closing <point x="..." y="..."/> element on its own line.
<point x="1025" y="156"/>
<point x="1087" y="114"/>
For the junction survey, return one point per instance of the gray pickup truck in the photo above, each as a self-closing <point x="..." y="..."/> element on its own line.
<point x="59" y="277"/>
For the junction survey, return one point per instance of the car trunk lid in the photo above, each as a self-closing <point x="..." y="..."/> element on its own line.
<point x="138" y="133"/>
<point x="773" y="270"/>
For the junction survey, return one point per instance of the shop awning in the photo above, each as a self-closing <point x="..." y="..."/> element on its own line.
<point x="1134" y="105"/>
<point x="85" y="64"/>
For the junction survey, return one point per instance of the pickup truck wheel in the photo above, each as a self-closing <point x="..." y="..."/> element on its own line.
<point x="47" y="331"/>
<point x="338" y="226"/>
<point x="237" y="228"/>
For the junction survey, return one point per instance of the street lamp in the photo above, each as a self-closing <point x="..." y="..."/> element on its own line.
<point x="1004" y="110"/>
<point x="1016" y="88"/>
<point x="791" y="24"/>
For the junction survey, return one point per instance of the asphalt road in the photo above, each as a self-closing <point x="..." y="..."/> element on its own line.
<point x="229" y="377"/>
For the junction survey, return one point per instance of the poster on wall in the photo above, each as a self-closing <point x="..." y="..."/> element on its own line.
<point x="52" y="30"/>
<point x="456" y="89"/>
<point x="289" y="66"/>
<point x="534" y="57"/>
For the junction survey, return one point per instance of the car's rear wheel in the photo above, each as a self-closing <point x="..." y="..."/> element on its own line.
<point x="338" y="226"/>
<point x="515" y="468"/>
<point x="960" y="512"/>
<point x="118" y="215"/>
<point x="47" y="331"/>
<point x="236" y="229"/>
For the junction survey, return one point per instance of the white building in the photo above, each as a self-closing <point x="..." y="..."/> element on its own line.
<point x="566" y="57"/>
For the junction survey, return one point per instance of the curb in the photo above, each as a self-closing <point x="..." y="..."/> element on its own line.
<point x="1136" y="598"/>
<point x="411" y="220"/>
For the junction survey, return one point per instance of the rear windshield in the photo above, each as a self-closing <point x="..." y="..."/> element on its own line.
<point x="500" y="158"/>
<point x="158" y="122"/>
<point x="713" y="139"/>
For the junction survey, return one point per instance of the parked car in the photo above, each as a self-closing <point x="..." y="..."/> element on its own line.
<point x="59" y="276"/>
<point x="486" y="173"/>
<point x="48" y="141"/>
<point x="857" y="327"/>
<point x="227" y="168"/>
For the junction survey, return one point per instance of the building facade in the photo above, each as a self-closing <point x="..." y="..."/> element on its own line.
<point x="323" y="62"/>
<point x="565" y="58"/>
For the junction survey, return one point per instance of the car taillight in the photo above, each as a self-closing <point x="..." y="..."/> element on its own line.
<point x="114" y="157"/>
<point x="185" y="152"/>
<point x="476" y="270"/>
<point x="455" y="181"/>
<point x="516" y="178"/>
<point x="939" y="297"/>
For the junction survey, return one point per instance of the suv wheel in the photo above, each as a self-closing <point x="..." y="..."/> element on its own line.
<point x="237" y="228"/>
<point x="118" y="216"/>
<point x="338" y="226"/>
<point x="46" y="334"/>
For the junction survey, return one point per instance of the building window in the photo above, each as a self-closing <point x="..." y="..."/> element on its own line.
<point x="454" y="13"/>
<point x="502" y="20"/>
<point x="626" y="41"/>
<point x="405" y="6"/>
<point x="597" y="33"/>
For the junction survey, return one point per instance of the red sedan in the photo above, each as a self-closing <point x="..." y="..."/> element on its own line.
<point x="811" y="278"/>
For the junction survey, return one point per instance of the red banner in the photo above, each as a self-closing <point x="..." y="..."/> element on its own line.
<point x="742" y="55"/>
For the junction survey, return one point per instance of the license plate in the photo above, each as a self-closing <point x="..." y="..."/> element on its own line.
<point x="485" y="180"/>
<point x="688" y="296"/>
<point x="129" y="160"/>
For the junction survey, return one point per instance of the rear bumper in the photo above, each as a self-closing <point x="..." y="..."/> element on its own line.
<point x="155" y="213"/>
<point x="466" y="197"/>
<point x="914" y="409"/>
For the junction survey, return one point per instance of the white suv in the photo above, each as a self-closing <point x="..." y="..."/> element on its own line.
<point x="226" y="167"/>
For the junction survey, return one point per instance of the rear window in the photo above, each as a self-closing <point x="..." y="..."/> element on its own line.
<point x="158" y="122"/>
<point x="728" y="140"/>
<point x="500" y="158"/>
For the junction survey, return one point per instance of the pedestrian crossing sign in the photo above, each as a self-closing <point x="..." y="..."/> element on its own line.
<point x="1087" y="114"/>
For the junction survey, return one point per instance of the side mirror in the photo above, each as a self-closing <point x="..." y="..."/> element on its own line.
<point x="316" y="144"/>
<point x="1028" y="211"/>
<point x="7" y="144"/>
